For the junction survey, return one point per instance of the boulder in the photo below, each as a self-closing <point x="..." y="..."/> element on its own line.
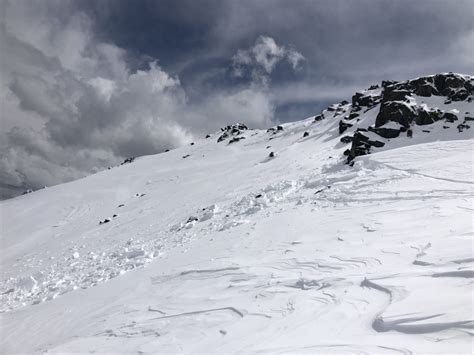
<point x="449" y="117"/>
<point x="346" y="139"/>
<point x="395" y="111"/>
<point x="425" y="117"/>
<point x="386" y="132"/>
<point x="343" y="126"/>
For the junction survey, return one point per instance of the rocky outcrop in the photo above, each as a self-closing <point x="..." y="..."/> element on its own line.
<point x="232" y="130"/>
<point x="402" y="107"/>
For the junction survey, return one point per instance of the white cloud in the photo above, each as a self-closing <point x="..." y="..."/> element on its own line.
<point x="262" y="58"/>
<point x="71" y="106"/>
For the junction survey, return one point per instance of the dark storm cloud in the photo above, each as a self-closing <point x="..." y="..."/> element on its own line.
<point x="86" y="83"/>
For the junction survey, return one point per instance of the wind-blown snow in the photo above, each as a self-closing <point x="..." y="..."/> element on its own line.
<point x="230" y="250"/>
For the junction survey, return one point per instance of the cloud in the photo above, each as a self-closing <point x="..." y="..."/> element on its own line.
<point x="73" y="106"/>
<point x="261" y="59"/>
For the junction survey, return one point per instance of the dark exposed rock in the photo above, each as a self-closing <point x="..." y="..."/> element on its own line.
<point x="387" y="83"/>
<point x="305" y="134"/>
<point x="232" y="130"/>
<point x="395" y="95"/>
<point x="128" y="160"/>
<point x="425" y="90"/>
<point x="208" y="136"/>
<point x="461" y="127"/>
<point x="344" y="102"/>
<point x="318" y="117"/>
<point x="425" y="117"/>
<point x="107" y="220"/>
<point x="271" y="155"/>
<point x="449" y="117"/>
<point x="361" y="145"/>
<point x="185" y="156"/>
<point x="459" y="95"/>
<point x="192" y="143"/>
<point x="167" y="150"/>
<point x="352" y="115"/>
<point x="346" y="139"/>
<point x="279" y="128"/>
<point x="192" y="219"/>
<point x="235" y="139"/>
<point x="360" y="99"/>
<point x="343" y="126"/>
<point x="409" y="133"/>
<point x="386" y="132"/>
<point x="395" y="112"/>
<point x="467" y="118"/>
<point x="373" y="87"/>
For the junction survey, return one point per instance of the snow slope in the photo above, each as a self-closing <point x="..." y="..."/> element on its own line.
<point x="218" y="247"/>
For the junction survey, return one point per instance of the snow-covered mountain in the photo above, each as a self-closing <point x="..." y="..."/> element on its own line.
<point x="348" y="232"/>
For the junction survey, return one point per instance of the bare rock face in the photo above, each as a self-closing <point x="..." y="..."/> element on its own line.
<point x="402" y="107"/>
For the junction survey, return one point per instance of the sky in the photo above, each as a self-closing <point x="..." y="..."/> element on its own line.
<point x="85" y="84"/>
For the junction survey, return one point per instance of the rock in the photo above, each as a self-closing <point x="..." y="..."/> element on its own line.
<point x="409" y="133"/>
<point x="305" y="134"/>
<point x="318" y="117"/>
<point x="425" y="117"/>
<point x="208" y="136"/>
<point x="386" y="132"/>
<point x="192" y="143"/>
<point x="279" y="128"/>
<point x="386" y="83"/>
<point x="449" y="117"/>
<point x="461" y="127"/>
<point x="459" y="95"/>
<point x="167" y="150"/>
<point x="128" y="160"/>
<point x="27" y="191"/>
<point x="235" y="139"/>
<point x="344" y="102"/>
<point x="395" y="95"/>
<point x="352" y="115"/>
<point x="232" y="130"/>
<point x="192" y="219"/>
<point x="395" y="112"/>
<point x="107" y="220"/>
<point x="360" y="99"/>
<point x="271" y="155"/>
<point x="425" y="90"/>
<point x="467" y="118"/>
<point x="343" y="126"/>
<point x="346" y="139"/>
<point x="361" y="145"/>
<point x="185" y="156"/>
<point x="373" y="87"/>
